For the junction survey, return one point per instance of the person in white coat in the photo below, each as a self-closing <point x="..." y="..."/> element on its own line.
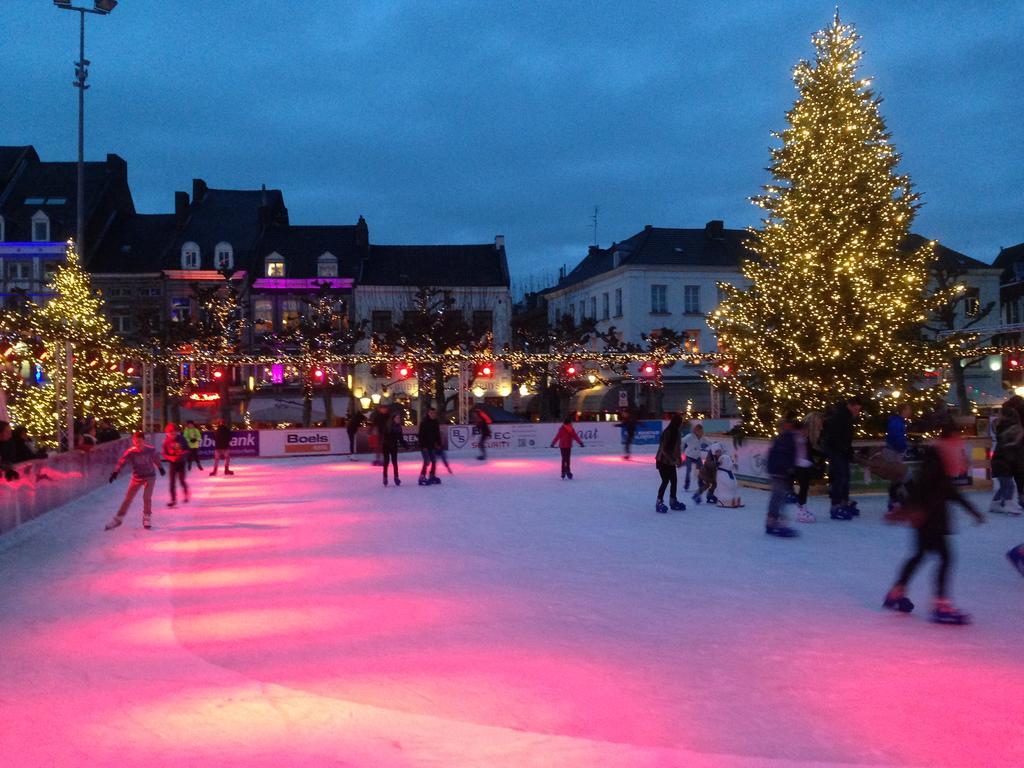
<point x="728" y="490"/>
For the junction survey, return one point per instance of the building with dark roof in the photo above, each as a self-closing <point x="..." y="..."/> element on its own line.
<point x="38" y="203"/>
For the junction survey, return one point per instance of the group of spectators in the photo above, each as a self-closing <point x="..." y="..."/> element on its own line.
<point x="15" y="447"/>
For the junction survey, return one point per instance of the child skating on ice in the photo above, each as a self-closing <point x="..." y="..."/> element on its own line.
<point x="564" y="438"/>
<point x="926" y="509"/>
<point x="175" y="452"/>
<point x="144" y="463"/>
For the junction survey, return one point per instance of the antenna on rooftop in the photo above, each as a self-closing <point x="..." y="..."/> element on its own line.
<point x="594" y="220"/>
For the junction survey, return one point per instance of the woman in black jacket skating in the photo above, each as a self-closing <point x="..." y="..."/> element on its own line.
<point x="927" y="510"/>
<point x="391" y="440"/>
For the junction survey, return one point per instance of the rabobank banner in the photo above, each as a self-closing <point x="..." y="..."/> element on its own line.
<point x="302" y="442"/>
<point x="243" y="443"/>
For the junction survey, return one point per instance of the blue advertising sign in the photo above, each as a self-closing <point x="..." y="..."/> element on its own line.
<point x="647" y="433"/>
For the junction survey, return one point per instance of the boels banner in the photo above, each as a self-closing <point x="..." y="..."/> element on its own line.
<point x="302" y="442"/>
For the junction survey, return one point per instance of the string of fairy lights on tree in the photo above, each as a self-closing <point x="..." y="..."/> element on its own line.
<point x="834" y="307"/>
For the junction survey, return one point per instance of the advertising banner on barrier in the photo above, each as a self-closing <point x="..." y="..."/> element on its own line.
<point x="528" y="436"/>
<point x="243" y="443"/>
<point x="647" y="433"/>
<point x="302" y="442"/>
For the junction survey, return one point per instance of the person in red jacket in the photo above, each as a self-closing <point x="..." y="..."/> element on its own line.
<point x="566" y="434"/>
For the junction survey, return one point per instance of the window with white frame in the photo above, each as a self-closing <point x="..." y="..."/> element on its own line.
<point x="40" y="227"/>
<point x="122" y="322"/>
<point x="181" y="309"/>
<point x="263" y="316"/>
<point x="49" y="270"/>
<point x="224" y="257"/>
<point x="327" y="265"/>
<point x="275" y="265"/>
<point x="659" y="299"/>
<point x="291" y="313"/>
<point x="618" y="302"/>
<point x="19" y="270"/>
<point x="605" y="306"/>
<point x="190" y="256"/>
<point x="691" y="299"/>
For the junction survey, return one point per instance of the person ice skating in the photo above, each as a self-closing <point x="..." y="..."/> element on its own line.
<point x="707" y="476"/>
<point x="693" y="446"/>
<point x="430" y="442"/>
<point x="483" y="425"/>
<point x="379" y="422"/>
<point x="628" y="425"/>
<point x="928" y="495"/>
<point x="837" y="440"/>
<point x="222" y="448"/>
<point x="193" y="439"/>
<point x="668" y="459"/>
<point x="1009" y="439"/>
<point x="781" y="462"/>
<point x="564" y="439"/>
<point x="144" y="463"/>
<point x="355" y="421"/>
<point x="1016" y="558"/>
<point x="175" y="453"/>
<point x="391" y="440"/>
<point x="803" y="471"/>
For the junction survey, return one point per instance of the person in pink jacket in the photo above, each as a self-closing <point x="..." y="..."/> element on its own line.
<point x="564" y="437"/>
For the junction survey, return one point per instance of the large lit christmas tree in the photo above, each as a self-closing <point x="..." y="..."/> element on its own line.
<point x="835" y="307"/>
<point x="74" y="315"/>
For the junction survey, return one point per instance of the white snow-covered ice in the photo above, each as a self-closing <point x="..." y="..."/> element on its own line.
<point x="300" y="614"/>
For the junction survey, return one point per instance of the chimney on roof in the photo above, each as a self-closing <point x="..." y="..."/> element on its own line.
<point x="180" y="208"/>
<point x="362" y="233"/>
<point x="648" y="226"/>
<point x="499" y="242"/>
<point x="715" y="229"/>
<point x="117" y="165"/>
<point x="198" y="190"/>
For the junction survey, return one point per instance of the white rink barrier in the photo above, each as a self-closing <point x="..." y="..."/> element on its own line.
<point x="526" y="436"/>
<point x="275" y="443"/>
<point x="48" y="483"/>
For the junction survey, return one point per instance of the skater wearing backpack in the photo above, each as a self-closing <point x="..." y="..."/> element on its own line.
<point x="175" y="453"/>
<point x="781" y="463"/>
<point x="668" y="459"/>
<point x="145" y="463"/>
<point x="564" y="437"/>
<point x="928" y="496"/>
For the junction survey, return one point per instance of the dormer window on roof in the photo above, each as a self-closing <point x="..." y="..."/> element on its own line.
<point x="190" y="256"/>
<point x="327" y="265"/>
<point x="224" y="256"/>
<point x="275" y="265"/>
<point x="40" y="227"/>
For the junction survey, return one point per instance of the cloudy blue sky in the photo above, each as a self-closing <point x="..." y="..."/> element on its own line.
<point x="455" y="121"/>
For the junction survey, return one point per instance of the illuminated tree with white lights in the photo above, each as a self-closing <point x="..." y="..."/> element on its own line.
<point x="834" y="307"/>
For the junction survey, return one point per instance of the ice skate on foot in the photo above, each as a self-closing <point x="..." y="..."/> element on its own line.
<point x="840" y="513"/>
<point x="712" y="499"/>
<point x="804" y="515"/>
<point x="851" y="509"/>
<point x="229" y="472"/>
<point x="435" y="480"/>
<point x="895" y="600"/>
<point x="781" y="530"/>
<point x="397" y="482"/>
<point x="569" y="475"/>
<point x="385" y="482"/>
<point x="945" y="613"/>
<point x="697" y="498"/>
<point x="422" y="481"/>
<point x="1016" y="558"/>
<point x="147" y="521"/>
<point x="116" y="521"/>
<point x="660" y="507"/>
<point x="678" y="506"/>
<point x="214" y="473"/>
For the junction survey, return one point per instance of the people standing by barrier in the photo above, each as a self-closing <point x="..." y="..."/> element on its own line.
<point x="7" y="470"/>
<point x="896" y="444"/>
<point x="429" y="436"/>
<point x="379" y="422"/>
<point x="175" y="453"/>
<point x="483" y="425"/>
<point x="1009" y="439"/>
<point x="193" y="439"/>
<point x="355" y="421"/>
<point x="144" y="463"/>
<point x="222" y="448"/>
<point x="628" y="425"/>
<point x="564" y="438"/>
<point x="668" y="460"/>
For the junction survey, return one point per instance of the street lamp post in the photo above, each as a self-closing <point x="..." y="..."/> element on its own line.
<point x="101" y="8"/>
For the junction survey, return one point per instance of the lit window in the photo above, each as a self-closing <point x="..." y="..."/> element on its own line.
<point x="224" y="256"/>
<point x="263" y="316"/>
<point x="327" y="266"/>
<point x="275" y="265"/>
<point x="190" y="256"/>
<point x="290" y="313"/>
<point x="180" y="309"/>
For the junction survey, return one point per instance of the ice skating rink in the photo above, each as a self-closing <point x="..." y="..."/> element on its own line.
<point x="300" y="614"/>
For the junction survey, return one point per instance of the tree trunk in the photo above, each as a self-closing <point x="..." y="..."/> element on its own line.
<point x="328" y="405"/>
<point x="963" y="403"/>
<point x="439" y="382"/>
<point x="307" y="404"/>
